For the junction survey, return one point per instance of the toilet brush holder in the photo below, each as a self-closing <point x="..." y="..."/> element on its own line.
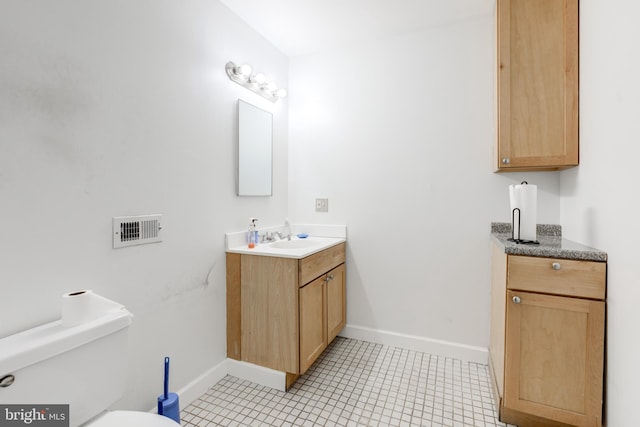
<point x="168" y="403"/>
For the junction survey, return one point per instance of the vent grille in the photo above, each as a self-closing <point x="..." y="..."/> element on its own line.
<point x="136" y="230"/>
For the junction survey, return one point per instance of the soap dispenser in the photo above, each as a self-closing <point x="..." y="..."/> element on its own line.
<point x="252" y="234"/>
<point x="256" y="234"/>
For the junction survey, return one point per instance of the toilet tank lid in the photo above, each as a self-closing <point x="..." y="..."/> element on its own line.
<point x="42" y="342"/>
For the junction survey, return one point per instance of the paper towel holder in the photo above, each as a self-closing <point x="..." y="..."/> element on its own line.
<point x="513" y="228"/>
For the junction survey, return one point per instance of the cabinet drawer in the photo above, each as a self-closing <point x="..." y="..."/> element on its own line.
<point x="317" y="264"/>
<point x="584" y="279"/>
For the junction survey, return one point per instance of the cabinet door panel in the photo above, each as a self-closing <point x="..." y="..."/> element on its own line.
<point x="313" y="331"/>
<point x="234" y="307"/>
<point x="538" y="84"/>
<point x="336" y="302"/>
<point x="554" y="357"/>
<point x="269" y="301"/>
<point x="498" y="290"/>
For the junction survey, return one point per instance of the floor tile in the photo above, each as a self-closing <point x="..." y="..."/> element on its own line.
<point x="357" y="383"/>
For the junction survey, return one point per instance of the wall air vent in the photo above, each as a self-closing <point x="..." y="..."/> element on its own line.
<point x="136" y="230"/>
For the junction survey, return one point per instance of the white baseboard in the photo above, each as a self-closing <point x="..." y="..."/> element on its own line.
<point x="277" y="380"/>
<point x="257" y="374"/>
<point x="201" y="384"/>
<point x="245" y="371"/>
<point x="196" y="388"/>
<point x="412" y="342"/>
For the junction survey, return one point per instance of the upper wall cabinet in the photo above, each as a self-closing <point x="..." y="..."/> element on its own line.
<point x="537" y="85"/>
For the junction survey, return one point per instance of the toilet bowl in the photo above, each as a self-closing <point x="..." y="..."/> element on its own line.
<point x="83" y="366"/>
<point x="131" y="419"/>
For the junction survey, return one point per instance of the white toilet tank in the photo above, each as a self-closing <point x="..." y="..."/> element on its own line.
<point x="84" y="366"/>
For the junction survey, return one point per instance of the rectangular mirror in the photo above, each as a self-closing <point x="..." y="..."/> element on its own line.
<point x="255" y="151"/>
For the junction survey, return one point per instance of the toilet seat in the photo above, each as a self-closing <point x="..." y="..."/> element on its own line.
<point x="131" y="419"/>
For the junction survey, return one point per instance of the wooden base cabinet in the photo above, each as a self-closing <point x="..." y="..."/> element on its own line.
<point x="283" y="312"/>
<point x="547" y="350"/>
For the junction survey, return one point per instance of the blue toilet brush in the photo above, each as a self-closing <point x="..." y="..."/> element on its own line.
<point x="168" y="403"/>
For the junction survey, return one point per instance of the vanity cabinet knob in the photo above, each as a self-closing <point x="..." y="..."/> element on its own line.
<point x="506" y="160"/>
<point x="556" y="266"/>
<point x="516" y="300"/>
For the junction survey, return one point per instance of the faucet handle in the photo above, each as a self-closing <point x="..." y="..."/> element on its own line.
<point x="267" y="237"/>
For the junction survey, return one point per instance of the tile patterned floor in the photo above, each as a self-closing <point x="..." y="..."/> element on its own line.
<point x="357" y="383"/>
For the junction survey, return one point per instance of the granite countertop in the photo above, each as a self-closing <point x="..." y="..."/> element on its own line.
<point x="551" y="245"/>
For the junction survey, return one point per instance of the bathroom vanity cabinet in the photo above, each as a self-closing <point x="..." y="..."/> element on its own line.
<point x="283" y="312"/>
<point x="547" y="339"/>
<point x="537" y="85"/>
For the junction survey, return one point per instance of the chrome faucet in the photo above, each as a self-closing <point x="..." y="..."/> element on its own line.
<point x="283" y="235"/>
<point x="268" y="237"/>
<point x="287" y="228"/>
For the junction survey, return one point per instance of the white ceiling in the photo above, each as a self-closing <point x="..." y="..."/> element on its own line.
<point x="299" y="27"/>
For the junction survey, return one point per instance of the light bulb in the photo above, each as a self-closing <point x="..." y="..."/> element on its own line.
<point x="243" y="70"/>
<point x="281" y="93"/>
<point x="272" y="87"/>
<point x="259" y="78"/>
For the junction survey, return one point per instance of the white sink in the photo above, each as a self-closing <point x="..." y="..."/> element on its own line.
<point x="294" y="244"/>
<point x="294" y="248"/>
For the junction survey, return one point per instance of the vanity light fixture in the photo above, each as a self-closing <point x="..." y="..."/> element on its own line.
<point x="257" y="83"/>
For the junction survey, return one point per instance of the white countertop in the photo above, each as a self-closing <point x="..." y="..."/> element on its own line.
<point x="316" y="244"/>
<point x="320" y="238"/>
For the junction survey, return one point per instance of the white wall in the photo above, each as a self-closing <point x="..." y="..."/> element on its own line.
<point x="123" y="108"/>
<point x="600" y="201"/>
<point x="398" y="135"/>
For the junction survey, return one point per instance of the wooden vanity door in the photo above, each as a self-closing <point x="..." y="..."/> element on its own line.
<point x="313" y="328"/>
<point x="269" y="315"/>
<point x="336" y="302"/>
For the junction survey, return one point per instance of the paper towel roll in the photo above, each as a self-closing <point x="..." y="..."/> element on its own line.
<point x="84" y="306"/>
<point x="525" y="198"/>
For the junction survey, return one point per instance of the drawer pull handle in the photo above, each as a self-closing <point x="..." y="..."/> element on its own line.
<point x="556" y="266"/>
<point x="516" y="300"/>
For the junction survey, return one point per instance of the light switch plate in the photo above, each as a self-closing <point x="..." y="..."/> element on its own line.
<point x="322" y="205"/>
